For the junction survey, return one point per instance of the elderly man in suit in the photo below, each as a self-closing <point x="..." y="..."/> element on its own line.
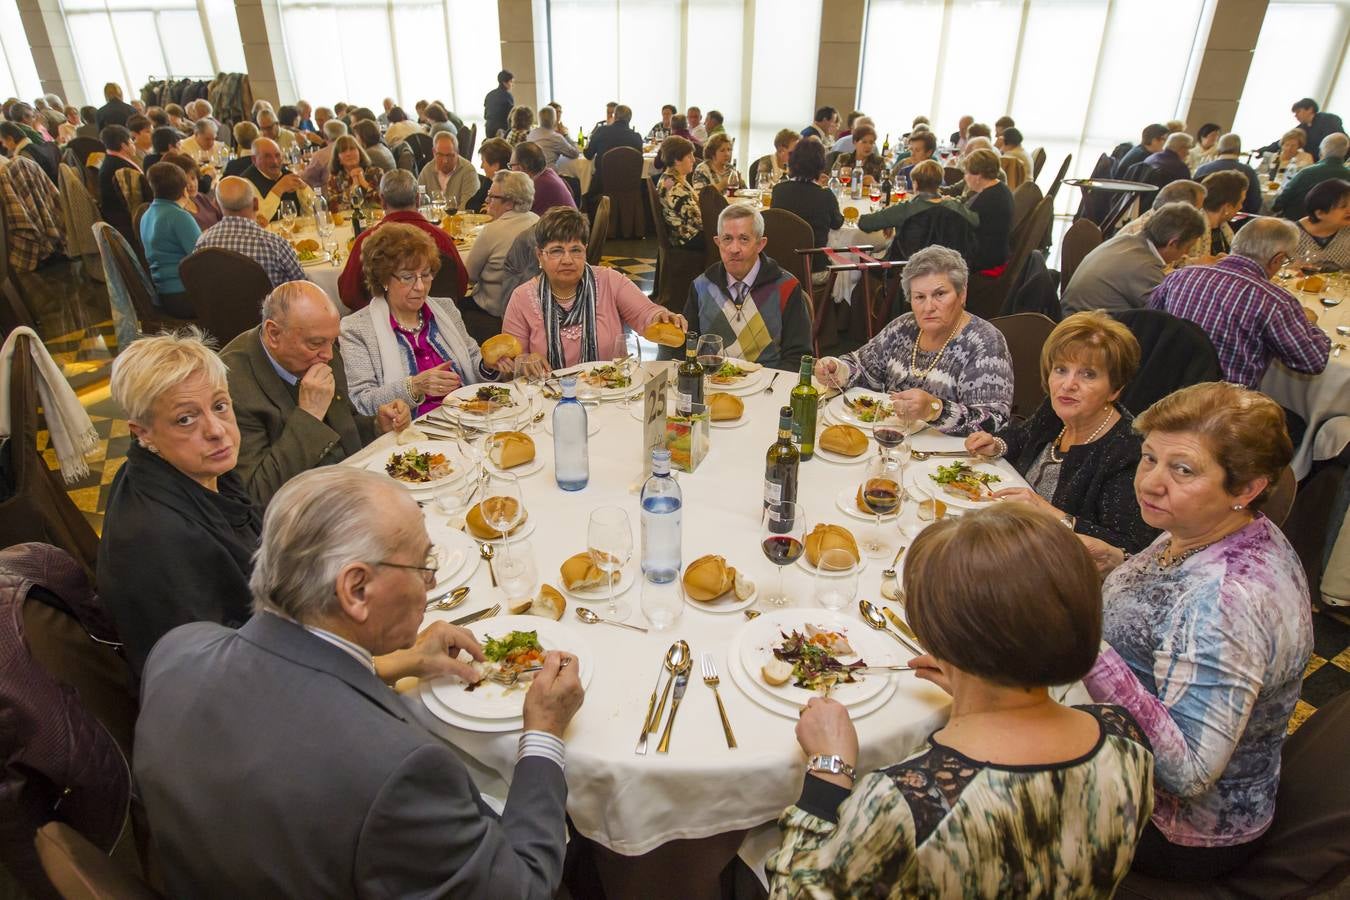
<point x="290" y="392"/>
<point x="311" y="778"/>
<point x="1121" y="273"/>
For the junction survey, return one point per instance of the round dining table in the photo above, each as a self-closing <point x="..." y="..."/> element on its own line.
<point x="700" y="792"/>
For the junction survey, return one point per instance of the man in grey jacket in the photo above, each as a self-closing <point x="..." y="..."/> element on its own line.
<point x="1121" y="273"/>
<point x="276" y="761"/>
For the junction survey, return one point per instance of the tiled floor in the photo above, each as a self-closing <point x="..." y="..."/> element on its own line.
<point x="73" y="319"/>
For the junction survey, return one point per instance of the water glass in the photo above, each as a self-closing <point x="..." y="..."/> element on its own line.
<point x="662" y="604"/>
<point x="836" y="582"/>
<point x="609" y="540"/>
<point x="517" y="575"/>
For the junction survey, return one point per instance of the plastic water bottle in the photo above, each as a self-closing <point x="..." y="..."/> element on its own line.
<point x="835" y="184"/>
<point x="571" y="460"/>
<point x="661" y="503"/>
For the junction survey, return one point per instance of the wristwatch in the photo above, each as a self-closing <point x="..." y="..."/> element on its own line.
<point x="935" y="409"/>
<point x="1069" y="522"/>
<point x="831" y="765"/>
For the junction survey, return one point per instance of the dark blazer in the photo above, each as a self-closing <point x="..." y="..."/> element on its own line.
<point x="114" y="112"/>
<point x="1169" y="165"/>
<point x="994" y="206"/>
<point x="112" y="205"/>
<point x="238" y="166"/>
<point x="815" y="204"/>
<point x="1136" y="154"/>
<point x="1096" y="480"/>
<point x="173" y="552"/>
<point x="47" y="156"/>
<point x="277" y="439"/>
<point x="496" y="108"/>
<point x="607" y="137"/>
<point x="312" y="780"/>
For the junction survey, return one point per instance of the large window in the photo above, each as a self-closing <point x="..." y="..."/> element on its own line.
<point x="1314" y="34"/>
<point x="131" y="41"/>
<point x="753" y="62"/>
<point x="1078" y="76"/>
<point x="18" y="75"/>
<point x="360" y="51"/>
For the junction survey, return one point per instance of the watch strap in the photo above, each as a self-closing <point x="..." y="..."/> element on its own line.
<point x="831" y="765"/>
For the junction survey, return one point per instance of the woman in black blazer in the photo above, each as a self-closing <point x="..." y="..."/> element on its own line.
<point x="802" y="193"/>
<point x="1079" y="450"/>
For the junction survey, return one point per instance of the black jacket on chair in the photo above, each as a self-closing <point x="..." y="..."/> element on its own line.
<point x="1175" y="353"/>
<point x="1096" y="480"/>
<point x="111" y="203"/>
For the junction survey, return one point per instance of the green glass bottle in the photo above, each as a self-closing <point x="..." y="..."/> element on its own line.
<point x="780" y="464"/>
<point x="805" y="399"/>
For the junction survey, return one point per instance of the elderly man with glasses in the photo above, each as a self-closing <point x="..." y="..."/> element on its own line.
<point x="449" y="174"/>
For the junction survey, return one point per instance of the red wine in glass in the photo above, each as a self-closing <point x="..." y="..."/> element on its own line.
<point x="888" y="435"/>
<point x="781" y="549"/>
<point x="881" y="495"/>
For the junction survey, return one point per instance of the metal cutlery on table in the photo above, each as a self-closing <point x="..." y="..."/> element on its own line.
<point x="675" y="661"/>
<point x="769" y="388"/>
<point x="681" y="682"/>
<point x="481" y="614"/>
<point x="921" y="455"/>
<point x="510" y="678"/>
<point x="880" y="670"/>
<point x="448" y="600"/>
<point x="872" y="615"/>
<point x="711" y="680"/>
<point x="901" y="626"/>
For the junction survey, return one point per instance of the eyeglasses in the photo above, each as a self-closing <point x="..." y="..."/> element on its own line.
<point x="557" y="253"/>
<point x="735" y="240"/>
<point x="407" y="278"/>
<point x="495" y="197"/>
<point x="428" y="570"/>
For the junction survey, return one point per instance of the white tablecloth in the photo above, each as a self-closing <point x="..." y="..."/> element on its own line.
<point x="582" y="169"/>
<point x="853" y="236"/>
<point x="633" y="804"/>
<point x="1319" y="398"/>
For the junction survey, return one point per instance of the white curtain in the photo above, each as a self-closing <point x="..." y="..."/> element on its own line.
<point x="18" y="75"/>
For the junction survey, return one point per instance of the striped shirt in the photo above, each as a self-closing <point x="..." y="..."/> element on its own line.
<point x="271" y="251"/>
<point x="1249" y="319"/>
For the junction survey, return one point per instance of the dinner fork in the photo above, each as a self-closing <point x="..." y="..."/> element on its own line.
<point x="711" y="680"/>
<point x="510" y="678"/>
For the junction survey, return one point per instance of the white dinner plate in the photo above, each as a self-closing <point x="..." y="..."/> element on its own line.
<point x="605" y="393"/>
<point x="847" y="501"/>
<point x="493" y="703"/>
<point x="524" y="470"/>
<point x="921" y="485"/>
<point x="748" y="384"/>
<point x="469" y="391"/>
<point x="840" y="459"/>
<point x="459" y="466"/>
<point x="319" y="260"/>
<point x="761" y="698"/>
<point x="743" y="419"/>
<point x="727" y="603"/>
<point x="754" y="643"/>
<point x="843" y="413"/>
<point x="457" y="554"/>
<point x="523" y="530"/>
<point x="626" y="579"/>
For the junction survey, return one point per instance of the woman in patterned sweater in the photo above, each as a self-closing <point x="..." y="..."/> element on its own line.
<point x="939" y="363"/>
<point x="679" y="203"/>
<point x="1017" y="796"/>
<point x="1208" y="629"/>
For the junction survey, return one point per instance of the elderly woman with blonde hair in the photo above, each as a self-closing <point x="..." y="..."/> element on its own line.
<point x="406" y="345"/>
<point x="1207" y="630"/>
<point x="180" y="529"/>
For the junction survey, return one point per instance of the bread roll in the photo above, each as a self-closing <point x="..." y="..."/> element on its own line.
<point x="503" y="346"/>
<point x="508" y="449"/>
<point x="307" y="244"/>
<point x="776" y="672"/>
<point x="478" y="525"/>
<point x="664" y="333"/>
<point x="844" y="440"/>
<point x="725" y="407"/>
<point x="708" y="578"/>
<point x="580" y="573"/>
<point x="550" y="604"/>
<point x="830" y="537"/>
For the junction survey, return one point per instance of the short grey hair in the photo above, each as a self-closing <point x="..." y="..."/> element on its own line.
<point x="204" y="107"/>
<point x="398" y="189"/>
<point x="334" y="129"/>
<point x="1229" y="143"/>
<point x="1182" y="190"/>
<point x="936" y="260"/>
<point x="1178" y="222"/>
<point x="149" y="366"/>
<point x="979" y="142"/>
<point x="1263" y="237"/>
<point x="548" y="117"/>
<point x="236" y="194"/>
<point x="276" y="306"/>
<point x="318" y="523"/>
<point x="444" y="137"/>
<point x="203" y="125"/>
<point x="741" y="211"/>
<point x="1335" y="144"/>
<point x="1179" y="142"/>
<point x="516" y="187"/>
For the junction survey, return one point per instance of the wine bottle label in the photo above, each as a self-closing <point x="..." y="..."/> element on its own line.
<point x="773" y="493"/>
<point x="684" y="403"/>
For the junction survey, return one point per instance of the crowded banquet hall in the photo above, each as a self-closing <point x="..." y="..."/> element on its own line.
<point x="350" y="397"/>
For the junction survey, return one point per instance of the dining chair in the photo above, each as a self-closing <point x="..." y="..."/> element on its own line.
<point x="1014" y="170"/>
<point x="1081" y="239"/>
<point x="80" y="871"/>
<point x="676" y="267"/>
<point x="1025" y="334"/>
<point x="620" y="174"/>
<point x="952" y="175"/>
<point x="1281" y="498"/>
<point x="595" y="244"/>
<point x="787" y="233"/>
<point x="1037" y="163"/>
<point x="129" y="286"/>
<point x="1025" y="198"/>
<point x="987" y="296"/>
<point x="421" y="146"/>
<point x="1173" y="353"/>
<point x="711" y="202"/>
<point x="227" y="289"/>
<point x="468" y="139"/>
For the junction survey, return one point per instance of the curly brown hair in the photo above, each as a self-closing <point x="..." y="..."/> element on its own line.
<point x="393" y="247"/>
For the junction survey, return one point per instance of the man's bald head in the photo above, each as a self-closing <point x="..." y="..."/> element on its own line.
<point x="299" y="325"/>
<point x="237" y="196"/>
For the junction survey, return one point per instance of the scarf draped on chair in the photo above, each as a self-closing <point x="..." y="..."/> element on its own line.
<point x="581" y="313"/>
<point x="71" y="431"/>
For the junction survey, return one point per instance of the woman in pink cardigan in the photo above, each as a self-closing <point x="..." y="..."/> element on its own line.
<point x="573" y="312"/>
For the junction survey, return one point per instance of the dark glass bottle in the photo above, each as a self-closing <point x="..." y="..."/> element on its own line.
<point x="689" y="379"/>
<point x="780" y="464"/>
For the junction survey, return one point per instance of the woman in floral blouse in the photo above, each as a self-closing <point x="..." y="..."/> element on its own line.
<point x="351" y="169"/>
<point x="716" y="168"/>
<point x="679" y="203"/>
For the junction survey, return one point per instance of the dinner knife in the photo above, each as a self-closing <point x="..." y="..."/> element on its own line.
<point x="653" y="715"/>
<point x="681" y="681"/>
<point x="902" y="626"/>
<point x="880" y="670"/>
<point x="474" y="617"/>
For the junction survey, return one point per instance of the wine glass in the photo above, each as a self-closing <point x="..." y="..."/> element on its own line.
<point x="358" y="198"/>
<point x="609" y="540"/>
<point x="782" y="537"/>
<point x="836" y="581"/>
<point x="503" y="508"/>
<point x="881" y="495"/>
<point x="288" y="217"/>
<point x="709" y="352"/>
<point x="623" y="360"/>
<point x="662" y="605"/>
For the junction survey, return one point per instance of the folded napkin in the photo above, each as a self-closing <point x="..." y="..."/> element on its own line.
<point x="72" y="431"/>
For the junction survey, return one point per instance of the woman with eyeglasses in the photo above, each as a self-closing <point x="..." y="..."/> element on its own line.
<point x="573" y="312"/>
<point x="406" y="345"/>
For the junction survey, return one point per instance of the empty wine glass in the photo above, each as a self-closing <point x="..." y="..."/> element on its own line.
<point x="782" y="536"/>
<point x="836" y="581"/>
<point x="709" y="352"/>
<point x="623" y="359"/>
<point x="881" y="495"/>
<point x="517" y="575"/>
<point x="503" y="508"/>
<point x="609" y="540"/>
<point x="288" y="216"/>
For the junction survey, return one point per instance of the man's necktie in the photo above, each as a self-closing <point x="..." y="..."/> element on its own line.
<point x="739" y="290"/>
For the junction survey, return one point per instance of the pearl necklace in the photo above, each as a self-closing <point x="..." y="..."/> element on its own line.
<point x="1054" y="447"/>
<point x="914" y="354"/>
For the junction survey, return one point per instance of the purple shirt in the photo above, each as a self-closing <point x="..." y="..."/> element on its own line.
<point x="1249" y="319"/>
<point x="550" y="191"/>
<point x="425" y="355"/>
